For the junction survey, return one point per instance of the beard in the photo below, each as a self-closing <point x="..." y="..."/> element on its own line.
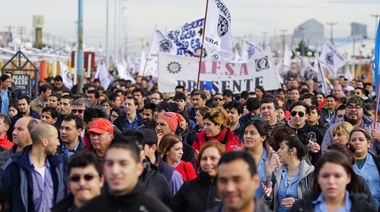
<point x="351" y="121"/>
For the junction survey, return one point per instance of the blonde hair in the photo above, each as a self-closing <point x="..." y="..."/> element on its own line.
<point x="218" y="116"/>
<point x="343" y="127"/>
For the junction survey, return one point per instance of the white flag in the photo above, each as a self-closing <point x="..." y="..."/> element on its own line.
<point x="218" y="33"/>
<point x="122" y="72"/>
<point x="160" y="43"/>
<point x="331" y="58"/>
<point x="347" y="73"/>
<point x="103" y="75"/>
<point x="305" y="66"/>
<point x="66" y="75"/>
<point x="323" y="84"/>
<point x="287" y="60"/>
<point x="249" y="50"/>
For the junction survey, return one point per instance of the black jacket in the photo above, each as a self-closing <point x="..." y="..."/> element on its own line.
<point x="65" y="205"/>
<point x="137" y="200"/>
<point x="360" y="203"/>
<point x="119" y="122"/>
<point x="155" y="183"/>
<point x="199" y="194"/>
<point x="314" y="135"/>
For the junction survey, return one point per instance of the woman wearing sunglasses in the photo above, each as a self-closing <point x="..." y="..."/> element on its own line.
<point x="299" y="113"/>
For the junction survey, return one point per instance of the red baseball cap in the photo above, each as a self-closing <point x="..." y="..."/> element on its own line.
<point x="100" y="126"/>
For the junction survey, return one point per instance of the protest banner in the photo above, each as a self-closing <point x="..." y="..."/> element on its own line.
<point x="236" y="76"/>
<point x="23" y="82"/>
<point x="331" y="58"/>
<point x="187" y="38"/>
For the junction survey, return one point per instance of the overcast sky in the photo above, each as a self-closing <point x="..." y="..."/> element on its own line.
<point x="249" y="17"/>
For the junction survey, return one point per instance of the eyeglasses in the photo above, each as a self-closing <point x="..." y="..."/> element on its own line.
<point x="77" y="111"/>
<point x="357" y="107"/>
<point x="218" y="99"/>
<point x="300" y="113"/>
<point x="86" y="177"/>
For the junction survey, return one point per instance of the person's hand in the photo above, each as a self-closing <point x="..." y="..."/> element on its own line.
<point x="314" y="147"/>
<point x="196" y="155"/>
<point x="267" y="190"/>
<point x="288" y="202"/>
<point x="159" y="136"/>
<point x="375" y="135"/>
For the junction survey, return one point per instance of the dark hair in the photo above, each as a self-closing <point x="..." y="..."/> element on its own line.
<point x="117" y="110"/>
<point x="180" y="87"/>
<point x="237" y="105"/>
<point x="179" y="96"/>
<point x="134" y="136"/>
<point x="113" y="96"/>
<point x="27" y="98"/>
<point x="185" y="115"/>
<point x="252" y="104"/>
<point x="261" y="126"/>
<point x="244" y="95"/>
<point x="95" y="92"/>
<point x="270" y="100"/>
<point x="340" y="147"/>
<point x="229" y="157"/>
<point x="94" y="112"/>
<point x="278" y="134"/>
<point x="200" y="93"/>
<point x="56" y="95"/>
<point x="53" y="112"/>
<point x="6" y="119"/>
<point x="134" y="100"/>
<point x="261" y="88"/>
<point x="44" y="88"/>
<point x="228" y="93"/>
<point x="83" y="159"/>
<point x="310" y="96"/>
<point x="299" y="143"/>
<point x="339" y="158"/>
<point x="139" y="90"/>
<point x="58" y="78"/>
<point x="331" y="96"/>
<point x="4" y="77"/>
<point x="106" y="101"/>
<point x="77" y="119"/>
<point x="150" y="106"/>
<point x="69" y="97"/>
<point x="300" y="103"/>
<point x="130" y="146"/>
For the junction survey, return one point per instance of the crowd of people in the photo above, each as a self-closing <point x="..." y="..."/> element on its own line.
<point x="130" y="147"/>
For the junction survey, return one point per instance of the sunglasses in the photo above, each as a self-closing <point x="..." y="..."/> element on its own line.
<point x="86" y="177"/>
<point x="77" y="111"/>
<point x="300" y="113"/>
<point x="218" y="99"/>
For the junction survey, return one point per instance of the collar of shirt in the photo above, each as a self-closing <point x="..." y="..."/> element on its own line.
<point x="320" y="203"/>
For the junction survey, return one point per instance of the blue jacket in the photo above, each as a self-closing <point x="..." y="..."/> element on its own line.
<point x="17" y="180"/>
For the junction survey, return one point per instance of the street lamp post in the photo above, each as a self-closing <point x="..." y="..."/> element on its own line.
<point x="331" y="26"/>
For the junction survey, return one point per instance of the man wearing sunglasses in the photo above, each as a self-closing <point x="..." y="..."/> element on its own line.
<point x="85" y="181"/>
<point x="299" y="112"/>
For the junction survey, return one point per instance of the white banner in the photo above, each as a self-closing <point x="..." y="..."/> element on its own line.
<point x="236" y="76"/>
<point x="187" y="39"/>
<point x="331" y="58"/>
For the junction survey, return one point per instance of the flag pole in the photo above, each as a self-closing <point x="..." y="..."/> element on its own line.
<point x="377" y="102"/>
<point x="322" y="74"/>
<point x="201" y="53"/>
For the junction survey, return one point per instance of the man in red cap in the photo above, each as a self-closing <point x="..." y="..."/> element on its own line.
<point x="101" y="136"/>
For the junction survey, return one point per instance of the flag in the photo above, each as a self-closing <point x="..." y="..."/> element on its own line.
<point x="376" y="62"/>
<point x="322" y="80"/>
<point x="236" y="55"/>
<point x="347" y="73"/>
<point x="287" y="60"/>
<point x="122" y="72"/>
<point x="305" y="66"/>
<point x="187" y="39"/>
<point x="160" y="43"/>
<point x="102" y="74"/>
<point x="66" y="75"/>
<point x="331" y="58"/>
<point x="218" y="33"/>
<point x="249" y="50"/>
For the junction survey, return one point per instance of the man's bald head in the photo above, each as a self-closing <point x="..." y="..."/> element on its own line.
<point x="21" y="135"/>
